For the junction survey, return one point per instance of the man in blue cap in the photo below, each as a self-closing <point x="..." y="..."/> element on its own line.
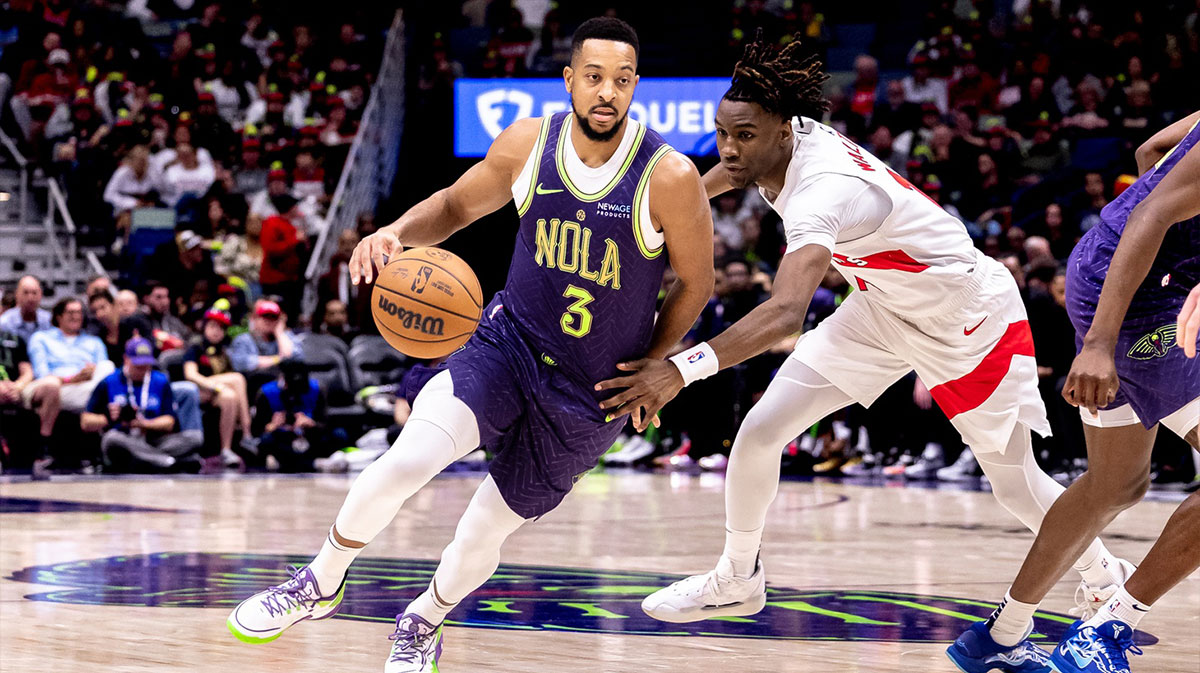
<point x="134" y="409"/>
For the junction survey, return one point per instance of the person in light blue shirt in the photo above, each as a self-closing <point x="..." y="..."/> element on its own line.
<point x="27" y="316"/>
<point x="258" y="352"/>
<point x="65" y="356"/>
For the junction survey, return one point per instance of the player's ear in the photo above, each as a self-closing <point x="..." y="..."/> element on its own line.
<point x="785" y="133"/>
<point x="568" y="72"/>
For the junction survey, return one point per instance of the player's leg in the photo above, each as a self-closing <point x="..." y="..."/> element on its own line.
<point x="1027" y="492"/>
<point x="470" y="559"/>
<point x="1173" y="557"/>
<point x="442" y="429"/>
<point x="797" y="398"/>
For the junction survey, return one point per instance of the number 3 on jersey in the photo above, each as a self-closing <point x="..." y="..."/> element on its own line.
<point x="577" y="321"/>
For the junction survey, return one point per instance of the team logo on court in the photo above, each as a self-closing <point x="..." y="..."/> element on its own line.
<point x="524" y="598"/>
<point x="1155" y="344"/>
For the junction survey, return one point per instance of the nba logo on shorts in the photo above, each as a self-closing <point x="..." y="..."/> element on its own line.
<point x="695" y="357"/>
<point x="421" y="279"/>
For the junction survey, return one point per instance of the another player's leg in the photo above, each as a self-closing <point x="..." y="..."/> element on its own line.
<point x="442" y="429"/>
<point x="1027" y="493"/>
<point x="466" y="564"/>
<point x="1108" y="636"/>
<point x="797" y="398"/>
<point x="1117" y="477"/>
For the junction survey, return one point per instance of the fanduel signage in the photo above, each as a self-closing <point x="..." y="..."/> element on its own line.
<point x="681" y="110"/>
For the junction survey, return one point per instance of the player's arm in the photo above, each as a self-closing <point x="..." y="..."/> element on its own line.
<point x="656" y="382"/>
<point x="1092" y="381"/>
<point x="679" y="206"/>
<point x="1154" y="149"/>
<point x="716" y="181"/>
<point x="1189" y="323"/>
<point x="483" y="189"/>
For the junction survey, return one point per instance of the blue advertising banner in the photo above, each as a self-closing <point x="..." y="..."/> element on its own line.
<point x="679" y="109"/>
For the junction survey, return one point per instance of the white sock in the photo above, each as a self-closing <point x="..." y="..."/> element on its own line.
<point x="1122" y="607"/>
<point x="330" y="565"/>
<point x="741" y="550"/>
<point x="429" y="606"/>
<point x="1012" y="622"/>
<point x="1099" y="567"/>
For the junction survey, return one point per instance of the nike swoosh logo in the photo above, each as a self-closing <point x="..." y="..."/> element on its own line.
<point x="539" y="190"/>
<point x="969" y="332"/>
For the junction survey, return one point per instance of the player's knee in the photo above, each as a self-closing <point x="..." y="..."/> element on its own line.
<point x="1118" y="491"/>
<point x="760" y="431"/>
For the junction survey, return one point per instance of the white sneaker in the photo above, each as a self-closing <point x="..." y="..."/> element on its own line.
<point x="931" y="460"/>
<point x="417" y="645"/>
<point x="716" y="462"/>
<point x="634" y="449"/>
<point x="1088" y="600"/>
<point x="966" y="468"/>
<point x="717" y="593"/>
<point x="267" y="614"/>
<point x="336" y="462"/>
<point x="231" y="459"/>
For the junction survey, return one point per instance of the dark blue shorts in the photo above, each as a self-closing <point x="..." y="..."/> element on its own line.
<point x="546" y="428"/>
<point x="1156" y="378"/>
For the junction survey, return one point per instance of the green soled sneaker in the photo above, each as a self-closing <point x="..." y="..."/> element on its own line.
<point x="267" y="614"/>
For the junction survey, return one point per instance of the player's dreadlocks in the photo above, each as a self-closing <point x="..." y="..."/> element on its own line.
<point x="784" y="83"/>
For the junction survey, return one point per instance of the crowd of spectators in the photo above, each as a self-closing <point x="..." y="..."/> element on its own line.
<point x="1020" y="118"/>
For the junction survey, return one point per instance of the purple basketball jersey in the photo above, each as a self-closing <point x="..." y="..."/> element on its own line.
<point x="583" y="282"/>
<point x="1156" y="378"/>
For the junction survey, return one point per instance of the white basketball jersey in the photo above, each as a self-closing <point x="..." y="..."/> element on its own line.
<point x="919" y="262"/>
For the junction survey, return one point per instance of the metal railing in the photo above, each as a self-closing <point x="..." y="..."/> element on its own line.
<point x="23" y="190"/>
<point x="371" y="163"/>
<point x="71" y="268"/>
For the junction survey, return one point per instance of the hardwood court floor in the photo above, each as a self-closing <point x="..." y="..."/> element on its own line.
<point x="114" y="575"/>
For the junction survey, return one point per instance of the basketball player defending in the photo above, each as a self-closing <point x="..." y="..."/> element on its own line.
<point x="1126" y="281"/>
<point x="602" y="201"/>
<point x="926" y="299"/>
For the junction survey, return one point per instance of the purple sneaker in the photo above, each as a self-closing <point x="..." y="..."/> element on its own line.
<point x="267" y="614"/>
<point x="417" y="646"/>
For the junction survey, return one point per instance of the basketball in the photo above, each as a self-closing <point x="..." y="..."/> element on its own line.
<point x="426" y="302"/>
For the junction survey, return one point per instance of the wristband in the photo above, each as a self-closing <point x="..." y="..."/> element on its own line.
<point x="699" y="362"/>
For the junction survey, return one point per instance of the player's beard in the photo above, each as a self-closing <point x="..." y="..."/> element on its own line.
<point x="591" y="133"/>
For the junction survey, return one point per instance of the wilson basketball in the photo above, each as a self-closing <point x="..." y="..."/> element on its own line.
<point x="426" y="302"/>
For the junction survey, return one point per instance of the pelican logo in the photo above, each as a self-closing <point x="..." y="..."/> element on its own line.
<point x="1155" y="344"/>
<point x="421" y="279"/>
<point x="523" y="598"/>
<point x="491" y="107"/>
<point x="412" y="320"/>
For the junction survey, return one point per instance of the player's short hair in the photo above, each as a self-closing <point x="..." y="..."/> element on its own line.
<point x="785" y="83"/>
<point x="605" y="28"/>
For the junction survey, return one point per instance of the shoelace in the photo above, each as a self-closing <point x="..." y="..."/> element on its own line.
<point x="1084" y="607"/>
<point x="1114" y="649"/>
<point x="410" y="646"/>
<point x="283" y="598"/>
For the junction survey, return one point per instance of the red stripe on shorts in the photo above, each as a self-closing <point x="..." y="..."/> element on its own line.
<point x="970" y="391"/>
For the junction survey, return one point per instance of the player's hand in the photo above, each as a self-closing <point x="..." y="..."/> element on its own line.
<point x="1189" y="323"/>
<point x="375" y="250"/>
<point x="1092" y="382"/>
<point x="652" y="384"/>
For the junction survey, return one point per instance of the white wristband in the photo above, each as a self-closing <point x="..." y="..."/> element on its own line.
<point x="698" y="362"/>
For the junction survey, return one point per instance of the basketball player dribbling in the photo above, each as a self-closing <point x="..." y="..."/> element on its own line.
<point x="603" y="200"/>
<point x="1127" y="281"/>
<point x="925" y="299"/>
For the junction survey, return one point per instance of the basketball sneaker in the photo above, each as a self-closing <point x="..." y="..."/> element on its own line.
<point x="267" y="614"/>
<point x="717" y="593"/>
<point x="416" y="646"/>
<point x="1095" y="649"/>
<point x="1089" y="600"/>
<point x="975" y="652"/>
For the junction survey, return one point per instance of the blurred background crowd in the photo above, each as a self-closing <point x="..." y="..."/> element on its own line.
<point x="229" y="123"/>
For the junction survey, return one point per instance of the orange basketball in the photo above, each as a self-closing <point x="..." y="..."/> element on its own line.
<point x="426" y="302"/>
